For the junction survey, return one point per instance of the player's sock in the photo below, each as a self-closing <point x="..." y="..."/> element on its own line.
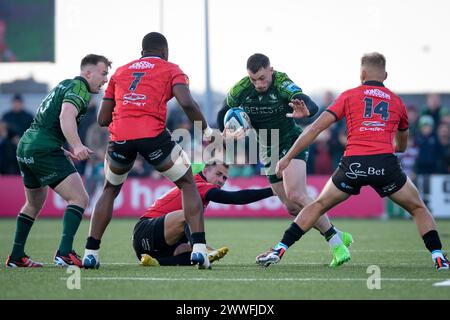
<point x="437" y="254"/>
<point x="71" y="222"/>
<point x="332" y="236"/>
<point x="182" y="259"/>
<point x="198" y="237"/>
<point x="432" y="241"/>
<point x="92" y="243"/>
<point x="23" y="227"/>
<point x="292" y="234"/>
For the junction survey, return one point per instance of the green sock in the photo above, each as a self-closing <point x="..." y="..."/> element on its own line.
<point x="23" y="227"/>
<point x="71" y="222"/>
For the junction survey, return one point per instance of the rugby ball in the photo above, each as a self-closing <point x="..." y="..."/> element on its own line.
<point x="236" y="118"/>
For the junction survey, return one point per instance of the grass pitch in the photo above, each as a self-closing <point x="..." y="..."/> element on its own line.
<point x="406" y="268"/>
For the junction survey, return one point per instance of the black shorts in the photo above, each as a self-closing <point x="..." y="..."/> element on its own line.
<point x="382" y="172"/>
<point x="148" y="237"/>
<point x="154" y="150"/>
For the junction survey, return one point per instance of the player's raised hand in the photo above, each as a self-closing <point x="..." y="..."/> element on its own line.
<point x="81" y="152"/>
<point x="299" y="109"/>
<point x="282" y="164"/>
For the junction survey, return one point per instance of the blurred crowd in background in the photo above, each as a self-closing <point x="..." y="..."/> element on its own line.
<point x="428" y="151"/>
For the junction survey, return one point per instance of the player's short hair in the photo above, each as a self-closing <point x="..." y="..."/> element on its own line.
<point x="257" y="61"/>
<point x="94" y="59"/>
<point x="154" y="41"/>
<point x="216" y="162"/>
<point x="374" y="59"/>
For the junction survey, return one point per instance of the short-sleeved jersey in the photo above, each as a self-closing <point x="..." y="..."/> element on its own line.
<point x="267" y="110"/>
<point x="373" y="115"/>
<point x="45" y="130"/>
<point x="141" y="90"/>
<point x="172" y="200"/>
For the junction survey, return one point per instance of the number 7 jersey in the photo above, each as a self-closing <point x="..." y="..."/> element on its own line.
<point x="141" y="90"/>
<point x="373" y="115"/>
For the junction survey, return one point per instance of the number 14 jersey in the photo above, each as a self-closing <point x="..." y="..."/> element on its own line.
<point x="373" y="115"/>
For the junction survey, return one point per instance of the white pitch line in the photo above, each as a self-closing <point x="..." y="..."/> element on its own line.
<point x="247" y="279"/>
<point x="445" y="283"/>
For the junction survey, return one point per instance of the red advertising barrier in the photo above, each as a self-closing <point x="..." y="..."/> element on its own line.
<point x="138" y="194"/>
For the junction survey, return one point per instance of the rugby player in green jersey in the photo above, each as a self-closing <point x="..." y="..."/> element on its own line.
<point x="272" y="101"/>
<point x="44" y="163"/>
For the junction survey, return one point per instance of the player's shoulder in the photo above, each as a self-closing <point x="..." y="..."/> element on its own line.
<point x="240" y="87"/>
<point x="283" y="83"/>
<point x="77" y="85"/>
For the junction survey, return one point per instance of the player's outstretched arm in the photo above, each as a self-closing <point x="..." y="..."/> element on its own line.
<point x="189" y="105"/>
<point x="104" y="117"/>
<point x="221" y="116"/>
<point x="325" y="120"/>
<point x="238" y="197"/>
<point x="303" y="106"/>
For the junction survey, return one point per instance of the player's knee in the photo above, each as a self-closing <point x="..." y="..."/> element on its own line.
<point x="32" y="208"/>
<point x="80" y="199"/>
<point x="299" y="198"/>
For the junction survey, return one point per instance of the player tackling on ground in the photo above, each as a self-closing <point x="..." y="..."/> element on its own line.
<point x="134" y="108"/>
<point x="43" y="163"/>
<point x="161" y="237"/>
<point x="377" y="125"/>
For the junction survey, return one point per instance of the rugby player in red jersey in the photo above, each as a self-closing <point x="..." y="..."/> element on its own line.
<point x="377" y="126"/>
<point x="134" y="107"/>
<point x="162" y="237"/>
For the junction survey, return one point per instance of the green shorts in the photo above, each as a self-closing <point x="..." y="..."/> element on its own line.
<point x="270" y="172"/>
<point x="41" y="168"/>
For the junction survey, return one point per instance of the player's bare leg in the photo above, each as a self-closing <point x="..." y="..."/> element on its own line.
<point x="409" y="198"/>
<point x="35" y="199"/>
<point x="115" y="176"/>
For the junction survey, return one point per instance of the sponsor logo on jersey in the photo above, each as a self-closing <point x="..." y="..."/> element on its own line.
<point x="373" y="124"/>
<point x="134" y="98"/>
<point x="377" y="93"/>
<point x="142" y="65"/>
<point x="376" y="129"/>
<point x="389" y="187"/>
<point x="355" y="172"/>
<point x="293" y="87"/>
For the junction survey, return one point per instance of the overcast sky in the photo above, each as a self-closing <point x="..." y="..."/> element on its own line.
<point x="317" y="43"/>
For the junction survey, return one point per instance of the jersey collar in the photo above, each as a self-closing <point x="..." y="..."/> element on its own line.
<point x="202" y="176"/>
<point x="373" y="83"/>
<point x="150" y="56"/>
<point x="82" y="79"/>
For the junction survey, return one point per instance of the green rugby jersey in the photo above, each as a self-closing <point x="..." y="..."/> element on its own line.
<point x="45" y="130"/>
<point x="268" y="110"/>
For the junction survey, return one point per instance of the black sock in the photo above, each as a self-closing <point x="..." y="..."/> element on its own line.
<point x="432" y="241"/>
<point x="92" y="243"/>
<point x="292" y="234"/>
<point x="329" y="233"/>
<point x="198" y="237"/>
<point x="182" y="259"/>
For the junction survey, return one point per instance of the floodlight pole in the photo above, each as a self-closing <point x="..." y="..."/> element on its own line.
<point x="208" y="105"/>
